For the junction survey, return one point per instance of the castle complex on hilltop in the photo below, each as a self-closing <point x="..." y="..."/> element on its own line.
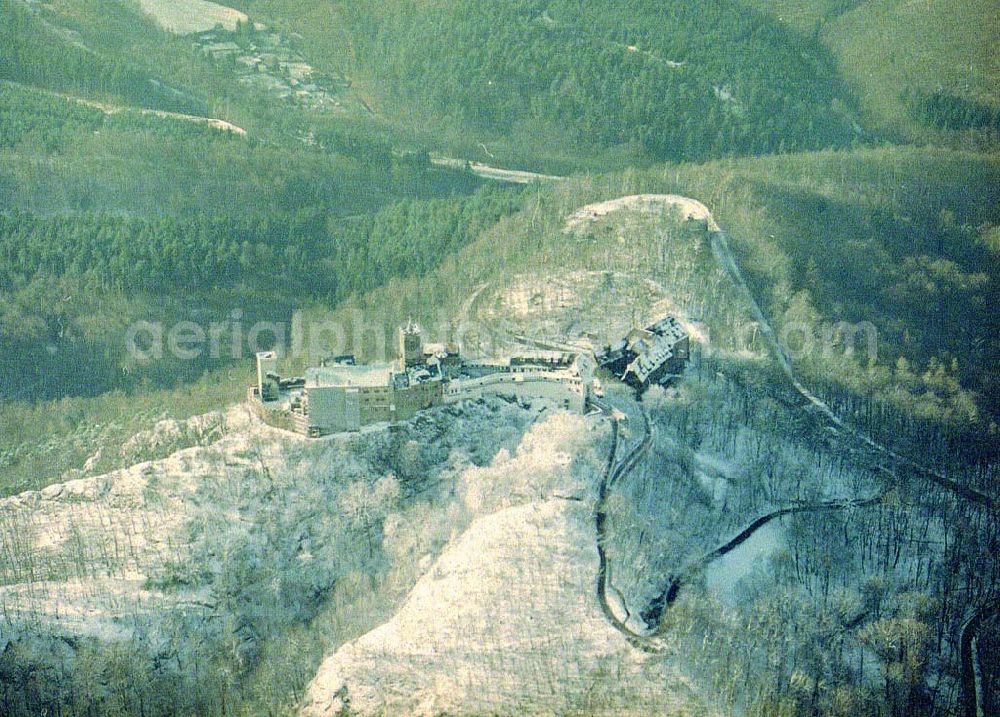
<point x="341" y="395"/>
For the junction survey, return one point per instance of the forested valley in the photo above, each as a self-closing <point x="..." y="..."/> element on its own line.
<point x="685" y="81"/>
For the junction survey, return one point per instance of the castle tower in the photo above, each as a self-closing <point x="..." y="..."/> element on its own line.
<point x="267" y="369"/>
<point x="411" y="346"/>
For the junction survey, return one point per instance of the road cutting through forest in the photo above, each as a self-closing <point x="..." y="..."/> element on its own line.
<point x="649" y="640"/>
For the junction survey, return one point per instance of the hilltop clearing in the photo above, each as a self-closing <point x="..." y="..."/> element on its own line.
<point x="925" y="221"/>
<point x="184" y="17"/>
<point x="686" y="207"/>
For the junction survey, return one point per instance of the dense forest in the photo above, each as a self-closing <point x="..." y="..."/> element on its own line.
<point x="687" y="80"/>
<point x="49" y="122"/>
<point x="946" y="110"/>
<point x="55" y="268"/>
<point x="312" y="256"/>
<point x="31" y="52"/>
<point x="67" y="154"/>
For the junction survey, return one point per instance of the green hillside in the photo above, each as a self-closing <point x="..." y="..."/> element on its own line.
<point x="35" y="52"/>
<point x="538" y="82"/>
<point x="903" y="238"/>
<point x="680" y="81"/>
<point x="805" y="15"/>
<point x="121" y="199"/>
<point x="890" y="51"/>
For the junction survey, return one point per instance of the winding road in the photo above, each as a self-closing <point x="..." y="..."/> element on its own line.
<point x="653" y="614"/>
<point x="724" y="255"/>
<point x="614" y="470"/>
<point x="611" y="472"/>
<point x="972" y="679"/>
<point x="497" y="174"/>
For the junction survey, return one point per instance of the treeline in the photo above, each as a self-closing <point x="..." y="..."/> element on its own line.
<point x="685" y="80"/>
<point x="51" y="122"/>
<point x="945" y="110"/>
<point x="74" y="283"/>
<point x="32" y="52"/>
<point x="310" y="254"/>
<point x="59" y="155"/>
<point x="411" y="238"/>
<point x="128" y="254"/>
<point x="924" y="277"/>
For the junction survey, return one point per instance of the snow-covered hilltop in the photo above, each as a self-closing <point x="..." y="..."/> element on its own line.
<point x="505" y="621"/>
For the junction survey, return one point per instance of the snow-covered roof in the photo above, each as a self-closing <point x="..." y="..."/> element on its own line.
<point x="435" y="349"/>
<point x="653" y="346"/>
<point x="652" y="357"/>
<point x="669" y="327"/>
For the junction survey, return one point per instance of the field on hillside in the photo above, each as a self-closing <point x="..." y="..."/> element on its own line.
<point x="187" y="16"/>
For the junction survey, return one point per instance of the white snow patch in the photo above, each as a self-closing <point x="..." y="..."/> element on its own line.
<point x="79" y="552"/>
<point x="644" y="203"/>
<point x="101" y="607"/>
<point x="744" y="563"/>
<point x="600" y="306"/>
<point x="540" y="468"/>
<point x="183" y="17"/>
<point x="715" y="487"/>
<point x="506" y="620"/>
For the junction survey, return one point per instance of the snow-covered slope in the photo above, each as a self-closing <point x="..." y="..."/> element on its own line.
<point x="506" y="621"/>
<point x="78" y="554"/>
<point x="114" y="555"/>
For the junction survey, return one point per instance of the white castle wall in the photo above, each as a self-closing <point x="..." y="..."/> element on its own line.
<point x="564" y="387"/>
